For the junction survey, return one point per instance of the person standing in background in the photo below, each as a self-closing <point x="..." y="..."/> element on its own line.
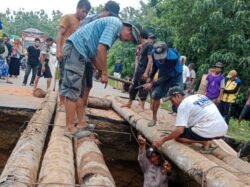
<point x="185" y="71"/>
<point x="215" y="83"/>
<point x="14" y="67"/>
<point x="230" y="93"/>
<point x="118" y="72"/>
<point x="191" y="80"/>
<point x="33" y="62"/>
<point x="245" y="114"/>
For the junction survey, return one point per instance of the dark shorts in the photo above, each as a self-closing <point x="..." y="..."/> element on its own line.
<point x="89" y="74"/>
<point x="73" y="82"/>
<point x="189" y="134"/>
<point x="61" y="69"/>
<point x="47" y="73"/>
<point x="161" y="90"/>
<point x="246" y="112"/>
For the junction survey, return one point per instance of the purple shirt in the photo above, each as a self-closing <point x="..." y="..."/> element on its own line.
<point x="214" y="84"/>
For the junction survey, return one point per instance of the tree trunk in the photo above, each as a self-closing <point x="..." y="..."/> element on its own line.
<point x="183" y="156"/>
<point x="91" y="167"/>
<point x="58" y="161"/>
<point x="99" y="103"/>
<point x="24" y="161"/>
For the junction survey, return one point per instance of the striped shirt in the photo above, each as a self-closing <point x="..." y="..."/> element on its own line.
<point x="101" y="31"/>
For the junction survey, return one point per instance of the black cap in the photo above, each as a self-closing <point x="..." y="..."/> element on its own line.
<point x="151" y="35"/>
<point x="152" y="150"/>
<point x="218" y="65"/>
<point x="113" y="8"/>
<point x="174" y="91"/>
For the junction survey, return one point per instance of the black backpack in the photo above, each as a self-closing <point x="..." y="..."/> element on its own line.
<point x="2" y="47"/>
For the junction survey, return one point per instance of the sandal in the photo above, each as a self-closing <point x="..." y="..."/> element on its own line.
<point x="82" y="133"/>
<point x="151" y="123"/>
<point x="70" y="134"/>
<point x="90" y="127"/>
<point x="208" y="150"/>
<point x="9" y="82"/>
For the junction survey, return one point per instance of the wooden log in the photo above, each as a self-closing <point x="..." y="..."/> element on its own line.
<point x="58" y="162"/>
<point x="24" y="161"/>
<point x="183" y="156"/>
<point x="91" y="167"/>
<point x="100" y="103"/>
<point x="120" y="80"/>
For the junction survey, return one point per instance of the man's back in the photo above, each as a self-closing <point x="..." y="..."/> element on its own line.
<point x="104" y="31"/>
<point x="33" y="55"/>
<point x="198" y="112"/>
<point x="143" y="60"/>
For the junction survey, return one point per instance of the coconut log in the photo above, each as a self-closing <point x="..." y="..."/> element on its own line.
<point x="91" y="167"/>
<point x="24" y="160"/>
<point x="58" y="162"/>
<point x="183" y="156"/>
<point x="99" y="103"/>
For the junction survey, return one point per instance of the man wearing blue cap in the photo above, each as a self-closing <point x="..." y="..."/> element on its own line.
<point x="90" y="42"/>
<point x="167" y="62"/>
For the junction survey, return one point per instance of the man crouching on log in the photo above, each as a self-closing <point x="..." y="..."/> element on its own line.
<point x="154" y="167"/>
<point x="198" y="120"/>
<point x="91" y="41"/>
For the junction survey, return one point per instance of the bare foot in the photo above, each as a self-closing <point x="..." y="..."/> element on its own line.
<point x="81" y="125"/>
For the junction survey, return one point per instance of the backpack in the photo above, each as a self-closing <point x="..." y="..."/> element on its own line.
<point x="2" y="47"/>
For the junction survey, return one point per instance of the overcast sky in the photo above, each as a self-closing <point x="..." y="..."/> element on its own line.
<point x="65" y="6"/>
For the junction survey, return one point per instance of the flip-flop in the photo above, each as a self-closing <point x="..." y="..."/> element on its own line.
<point x="151" y="123"/>
<point x="90" y="127"/>
<point x="70" y="134"/>
<point x="208" y="150"/>
<point x="82" y="133"/>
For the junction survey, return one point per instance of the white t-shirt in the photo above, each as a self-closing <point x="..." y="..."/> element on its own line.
<point x="185" y="73"/>
<point x="198" y="112"/>
<point x="192" y="74"/>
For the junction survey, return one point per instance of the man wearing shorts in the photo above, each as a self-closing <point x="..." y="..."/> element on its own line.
<point x="167" y="62"/>
<point x="43" y="68"/>
<point x="68" y="25"/>
<point x="198" y="120"/>
<point x="91" y="41"/>
<point x="245" y="114"/>
<point x="111" y="8"/>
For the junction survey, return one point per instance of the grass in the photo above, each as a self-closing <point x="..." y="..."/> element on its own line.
<point x="239" y="133"/>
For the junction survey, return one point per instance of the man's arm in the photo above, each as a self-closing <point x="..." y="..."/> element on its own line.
<point x="59" y="43"/>
<point x="233" y="91"/>
<point x="101" y="62"/>
<point x="42" y="61"/>
<point x="222" y="87"/>
<point x="173" y="135"/>
<point x="149" y="67"/>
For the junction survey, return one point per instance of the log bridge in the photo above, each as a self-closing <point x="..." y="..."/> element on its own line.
<point x="79" y="162"/>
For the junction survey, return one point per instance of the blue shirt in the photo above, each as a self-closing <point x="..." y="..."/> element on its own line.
<point x="101" y="31"/>
<point x="89" y="19"/>
<point x="118" y="68"/>
<point x="171" y="66"/>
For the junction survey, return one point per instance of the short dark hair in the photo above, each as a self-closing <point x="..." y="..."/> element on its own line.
<point x="49" y="39"/>
<point x="37" y="39"/>
<point x="112" y="7"/>
<point x="144" y="34"/>
<point x="84" y="4"/>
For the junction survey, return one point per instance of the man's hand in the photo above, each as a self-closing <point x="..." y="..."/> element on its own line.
<point x="148" y="86"/>
<point x="145" y="76"/>
<point x="104" y="79"/>
<point x="141" y="141"/>
<point x="218" y="100"/>
<point x="166" y="167"/>
<point x="158" y="143"/>
<point x="43" y="68"/>
<point x="59" y="56"/>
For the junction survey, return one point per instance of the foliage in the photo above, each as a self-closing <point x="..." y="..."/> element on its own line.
<point x="17" y="21"/>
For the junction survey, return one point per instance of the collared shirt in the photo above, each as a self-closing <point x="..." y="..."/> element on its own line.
<point x="153" y="176"/>
<point x="89" y="19"/>
<point x="231" y="90"/>
<point x="101" y="31"/>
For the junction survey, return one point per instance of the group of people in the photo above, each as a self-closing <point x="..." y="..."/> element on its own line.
<point x="10" y="58"/>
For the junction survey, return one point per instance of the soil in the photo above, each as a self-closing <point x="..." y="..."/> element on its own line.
<point x="11" y="127"/>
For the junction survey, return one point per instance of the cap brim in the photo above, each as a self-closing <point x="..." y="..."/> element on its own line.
<point x="165" y="99"/>
<point x="229" y="76"/>
<point x="135" y="33"/>
<point x="160" y="56"/>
